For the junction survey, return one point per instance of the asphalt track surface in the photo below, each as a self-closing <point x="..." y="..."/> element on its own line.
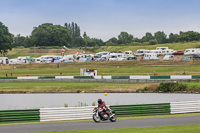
<point x="89" y="125"/>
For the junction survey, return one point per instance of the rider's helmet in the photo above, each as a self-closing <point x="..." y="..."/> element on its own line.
<point x="99" y="101"/>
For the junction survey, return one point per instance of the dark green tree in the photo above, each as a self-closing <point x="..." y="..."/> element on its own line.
<point x="147" y="37"/>
<point x="48" y="34"/>
<point x="161" y="37"/>
<point x="125" y="38"/>
<point x="74" y="31"/>
<point x="112" y="42"/>
<point x="19" y="41"/>
<point x="173" y="38"/>
<point x="189" y="36"/>
<point x="6" y="39"/>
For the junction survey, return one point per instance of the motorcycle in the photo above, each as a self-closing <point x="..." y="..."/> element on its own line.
<point x="100" y="114"/>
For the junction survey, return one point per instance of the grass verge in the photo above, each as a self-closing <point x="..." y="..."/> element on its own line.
<point x="164" y="129"/>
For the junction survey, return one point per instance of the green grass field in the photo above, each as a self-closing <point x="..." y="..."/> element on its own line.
<point x="71" y="87"/>
<point x="31" y="87"/>
<point x="175" y="46"/>
<point x="104" y="68"/>
<point x="165" y="129"/>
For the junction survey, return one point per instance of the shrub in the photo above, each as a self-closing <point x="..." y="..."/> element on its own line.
<point x="171" y="87"/>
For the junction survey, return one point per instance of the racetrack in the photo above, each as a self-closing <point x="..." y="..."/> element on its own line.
<point x="88" y="125"/>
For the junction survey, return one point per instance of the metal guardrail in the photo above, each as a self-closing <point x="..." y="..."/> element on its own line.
<point x="184" y="107"/>
<point x="78" y="113"/>
<point x="142" y="109"/>
<point x="68" y="113"/>
<point x="27" y="115"/>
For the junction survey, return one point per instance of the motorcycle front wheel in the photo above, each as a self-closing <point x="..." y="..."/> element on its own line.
<point x="113" y="118"/>
<point x="96" y="118"/>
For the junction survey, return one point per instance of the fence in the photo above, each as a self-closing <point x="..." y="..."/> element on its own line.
<point x="11" y="116"/>
<point x="142" y="109"/>
<point x="78" y="113"/>
<point x="184" y="107"/>
<point x="70" y="113"/>
<point x="172" y="77"/>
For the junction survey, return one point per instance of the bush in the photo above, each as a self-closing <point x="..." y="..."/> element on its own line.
<point x="171" y="87"/>
<point x="153" y="42"/>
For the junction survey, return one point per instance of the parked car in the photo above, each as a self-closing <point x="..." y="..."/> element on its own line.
<point x="178" y="53"/>
<point x="168" y="57"/>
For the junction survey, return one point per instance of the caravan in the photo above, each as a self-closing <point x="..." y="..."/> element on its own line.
<point x="164" y="50"/>
<point x="4" y="60"/>
<point x="151" y="56"/>
<point x="117" y="57"/>
<point x="141" y="52"/>
<point x="192" y="51"/>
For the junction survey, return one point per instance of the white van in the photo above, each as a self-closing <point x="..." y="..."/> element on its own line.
<point x="192" y="51"/>
<point x="168" y="57"/>
<point x="47" y="58"/>
<point x="151" y="56"/>
<point x="117" y="57"/>
<point x="141" y="52"/>
<point x="4" y="60"/>
<point x="128" y="54"/>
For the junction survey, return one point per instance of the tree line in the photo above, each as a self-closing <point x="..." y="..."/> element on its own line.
<point x="69" y="35"/>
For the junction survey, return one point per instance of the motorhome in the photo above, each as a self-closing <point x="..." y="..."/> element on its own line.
<point x="141" y="52"/>
<point x="99" y="54"/>
<point x="21" y="59"/>
<point x="151" y="56"/>
<point x="4" y="60"/>
<point x="36" y="60"/>
<point x="47" y="58"/>
<point x="192" y="51"/>
<point x="162" y="50"/>
<point x="117" y="57"/>
<point x="128" y="54"/>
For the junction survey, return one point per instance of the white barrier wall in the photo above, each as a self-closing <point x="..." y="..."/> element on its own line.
<point x="139" y="77"/>
<point x="64" y="77"/>
<point x="27" y="77"/>
<point x="68" y="113"/>
<point x="181" y="76"/>
<point x="107" y="77"/>
<point x="185" y="107"/>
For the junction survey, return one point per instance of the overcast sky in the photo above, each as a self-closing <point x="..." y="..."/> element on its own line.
<point x="103" y="19"/>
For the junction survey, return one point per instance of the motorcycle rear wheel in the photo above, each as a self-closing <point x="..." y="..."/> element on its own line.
<point x="96" y="119"/>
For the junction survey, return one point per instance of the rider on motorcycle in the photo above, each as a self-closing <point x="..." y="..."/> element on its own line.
<point x="103" y="106"/>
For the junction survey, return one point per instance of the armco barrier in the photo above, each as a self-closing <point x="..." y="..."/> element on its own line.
<point x="195" y="76"/>
<point x="8" y="77"/>
<point x="142" y="109"/>
<point x="184" y="107"/>
<point x="82" y="77"/>
<point x="120" y="77"/>
<point x="47" y="77"/>
<point x="159" y="77"/>
<point x="27" y="77"/>
<point x="64" y="77"/>
<point x="69" y="113"/>
<point x="139" y="77"/>
<point x="11" y="116"/>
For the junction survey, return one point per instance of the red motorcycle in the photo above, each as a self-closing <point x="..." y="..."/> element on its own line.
<point x="100" y="114"/>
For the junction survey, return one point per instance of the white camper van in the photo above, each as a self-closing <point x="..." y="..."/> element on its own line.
<point x="151" y="56"/>
<point x="168" y="57"/>
<point x="141" y="52"/>
<point x="163" y="50"/>
<point x="4" y="60"/>
<point x="192" y="51"/>
<point x="117" y="57"/>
